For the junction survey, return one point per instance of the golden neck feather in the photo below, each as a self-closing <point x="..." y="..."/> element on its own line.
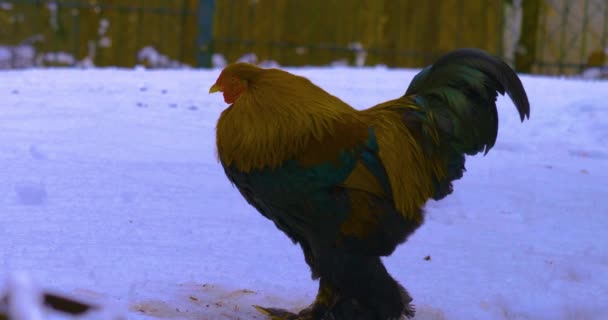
<point x="275" y="119"/>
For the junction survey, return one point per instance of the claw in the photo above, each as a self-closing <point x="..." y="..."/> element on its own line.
<point x="276" y="314"/>
<point x="262" y="310"/>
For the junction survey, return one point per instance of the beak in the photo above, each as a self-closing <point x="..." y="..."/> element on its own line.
<point x="214" y="88"/>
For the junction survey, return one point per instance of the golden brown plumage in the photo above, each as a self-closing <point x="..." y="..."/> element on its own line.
<point x="349" y="185"/>
<point x="271" y="122"/>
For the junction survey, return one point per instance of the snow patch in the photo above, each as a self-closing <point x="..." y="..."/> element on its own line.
<point x="53" y="8"/>
<point x="6" y="6"/>
<point x="218" y="61"/>
<point x="595" y="73"/>
<point x="360" y="53"/>
<point x="150" y="57"/>
<point x="339" y="63"/>
<point x="55" y="58"/>
<point x="104" y="25"/>
<point x="19" y="56"/>
<point x="269" y="64"/>
<point x="248" y="58"/>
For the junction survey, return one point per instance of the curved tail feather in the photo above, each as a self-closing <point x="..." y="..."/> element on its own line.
<point x="455" y="108"/>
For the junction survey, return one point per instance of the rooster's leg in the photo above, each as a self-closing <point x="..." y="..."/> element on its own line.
<point x="323" y="304"/>
<point x="319" y="308"/>
<point x="366" y="290"/>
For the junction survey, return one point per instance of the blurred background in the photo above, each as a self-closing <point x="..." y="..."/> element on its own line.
<point x="536" y="36"/>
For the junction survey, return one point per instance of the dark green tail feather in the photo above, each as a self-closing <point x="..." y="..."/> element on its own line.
<point x="457" y="96"/>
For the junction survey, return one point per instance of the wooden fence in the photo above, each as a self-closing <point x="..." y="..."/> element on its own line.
<point x="541" y="36"/>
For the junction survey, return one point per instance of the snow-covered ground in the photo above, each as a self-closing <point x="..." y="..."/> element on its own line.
<point x="110" y="190"/>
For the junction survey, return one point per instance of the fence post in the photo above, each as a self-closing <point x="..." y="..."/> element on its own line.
<point x="530" y="24"/>
<point x="204" y="45"/>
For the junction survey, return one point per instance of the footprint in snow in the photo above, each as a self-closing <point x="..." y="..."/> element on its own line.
<point x="31" y="193"/>
<point x="36" y="153"/>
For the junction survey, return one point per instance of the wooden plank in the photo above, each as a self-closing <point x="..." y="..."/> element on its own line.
<point x="189" y="32"/>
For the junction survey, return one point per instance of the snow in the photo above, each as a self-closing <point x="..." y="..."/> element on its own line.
<point x="111" y="191"/>
<point x="19" y="56"/>
<point x="218" y="60"/>
<point x="6" y="6"/>
<point x="25" y="299"/>
<point x="150" y="56"/>
<point x="595" y="73"/>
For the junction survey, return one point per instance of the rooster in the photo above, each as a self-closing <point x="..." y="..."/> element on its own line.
<point x="350" y="185"/>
